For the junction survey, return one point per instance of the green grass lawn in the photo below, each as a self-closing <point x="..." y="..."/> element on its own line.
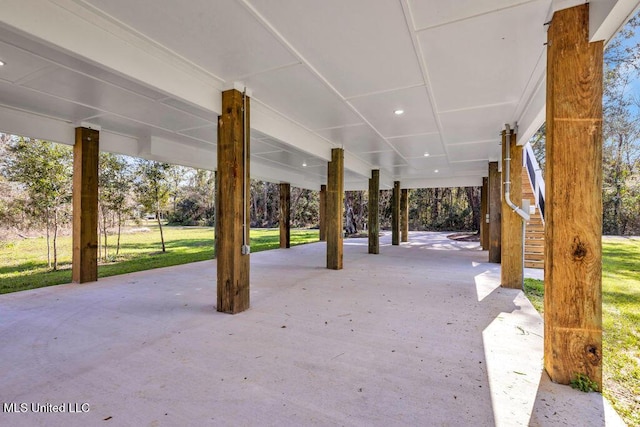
<point x="620" y="323"/>
<point x="24" y="262"/>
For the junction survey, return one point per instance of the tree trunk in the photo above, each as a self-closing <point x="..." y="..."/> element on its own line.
<point x="254" y="205"/>
<point x="160" y="226"/>
<point x="475" y="208"/>
<point x="119" y="231"/>
<point x="265" y="213"/>
<point x="47" y="221"/>
<point x="104" y="231"/>
<point x="55" y="239"/>
<point x="435" y="209"/>
<point x="617" y="200"/>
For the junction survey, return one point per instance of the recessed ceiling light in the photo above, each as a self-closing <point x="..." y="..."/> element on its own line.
<point x="2" y="63"/>
<point x="426" y="154"/>
<point x="436" y="171"/>
<point x="398" y="112"/>
<point x="304" y="164"/>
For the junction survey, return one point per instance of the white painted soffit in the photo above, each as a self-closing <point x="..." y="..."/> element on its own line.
<point x="109" y="44"/>
<point x="60" y="21"/>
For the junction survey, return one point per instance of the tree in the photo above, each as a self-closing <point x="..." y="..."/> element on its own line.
<point x="355" y="211"/>
<point x="45" y="171"/>
<point x="264" y="201"/>
<point x="195" y="205"/>
<point x="176" y="180"/>
<point x="305" y="207"/>
<point x="113" y="189"/>
<point x="152" y="189"/>
<point x="621" y="132"/>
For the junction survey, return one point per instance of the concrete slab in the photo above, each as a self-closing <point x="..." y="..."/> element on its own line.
<point x="421" y="334"/>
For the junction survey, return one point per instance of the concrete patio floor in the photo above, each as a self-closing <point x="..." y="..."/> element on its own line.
<point x="419" y="335"/>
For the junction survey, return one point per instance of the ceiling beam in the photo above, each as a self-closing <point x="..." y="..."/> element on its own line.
<point x="606" y="17"/>
<point x="104" y="42"/>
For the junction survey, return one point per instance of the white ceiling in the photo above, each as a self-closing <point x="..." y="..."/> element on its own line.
<point x="321" y="75"/>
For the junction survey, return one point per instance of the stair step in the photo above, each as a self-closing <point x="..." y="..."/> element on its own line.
<point x="533" y="264"/>
<point x="533" y="257"/>
<point x="529" y="251"/>
<point x="534" y="246"/>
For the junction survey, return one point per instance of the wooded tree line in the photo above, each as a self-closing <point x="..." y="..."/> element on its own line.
<point x="36" y="190"/>
<point x="430" y="209"/>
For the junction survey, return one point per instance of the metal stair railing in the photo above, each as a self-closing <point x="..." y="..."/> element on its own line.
<point x="535" y="178"/>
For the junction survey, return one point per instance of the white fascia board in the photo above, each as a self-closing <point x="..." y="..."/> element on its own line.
<point x="386" y="181"/>
<point x="74" y="28"/>
<point x="606" y="17"/>
<point x="18" y="122"/>
<point x="528" y="112"/>
<point x="451" y="182"/>
<point x="274" y="124"/>
<point x="119" y="144"/>
<point x="356" y="186"/>
<point x="164" y="150"/>
<point x="534" y="114"/>
<point x="268" y="173"/>
<point x="356" y="165"/>
<point x="29" y="125"/>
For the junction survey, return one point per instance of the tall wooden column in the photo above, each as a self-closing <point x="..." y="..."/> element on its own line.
<point x="573" y="214"/>
<point x="85" y="205"/>
<point x="323" y="213"/>
<point x="404" y="215"/>
<point x="232" y="209"/>
<point x="512" y="259"/>
<point x="395" y="214"/>
<point x="374" y="212"/>
<point x="216" y="201"/>
<point x="285" y="215"/>
<point x="335" y="198"/>
<point x="494" y="212"/>
<point x="484" y="225"/>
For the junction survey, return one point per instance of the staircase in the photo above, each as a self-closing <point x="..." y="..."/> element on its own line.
<point x="532" y="186"/>
<point x="534" y="231"/>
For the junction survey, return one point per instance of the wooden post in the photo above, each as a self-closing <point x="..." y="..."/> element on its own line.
<point x="404" y="215"/>
<point x="86" y="152"/>
<point x="573" y="213"/>
<point x="285" y="215"/>
<point x="216" y="201"/>
<point x="484" y="225"/>
<point x="374" y="212"/>
<point x="323" y="213"/>
<point x="512" y="259"/>
<point x="335" y="197"/>
<point x="395" y="214"/>
<point x="494" y="213"/>
<point x="232" y="208"/>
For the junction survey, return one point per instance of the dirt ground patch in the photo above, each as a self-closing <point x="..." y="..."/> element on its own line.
<point x="465" y="237"/>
